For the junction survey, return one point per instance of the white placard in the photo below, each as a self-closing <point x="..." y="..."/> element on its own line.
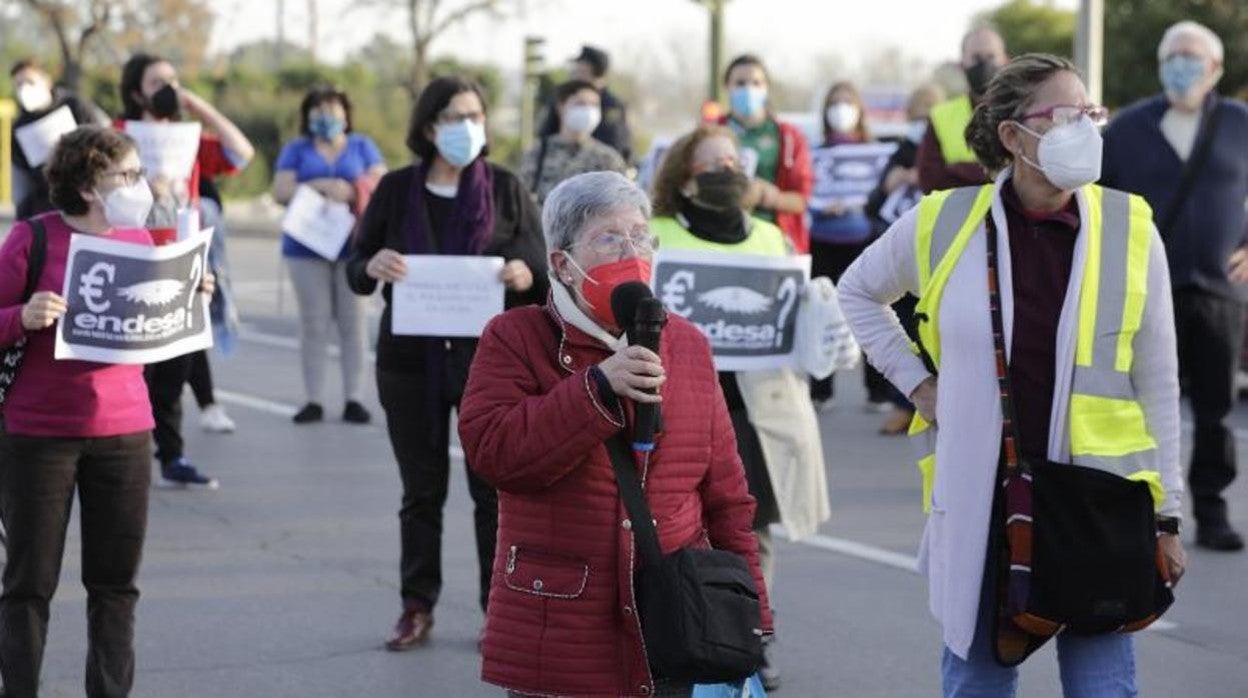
<point x="166" y="149"/>
<point x="317" y="223"/>
<point x="38" y="138"/>
<point x="134" y="304"/>
<point x="847" y="174"/>
<point x="446" y="296"/>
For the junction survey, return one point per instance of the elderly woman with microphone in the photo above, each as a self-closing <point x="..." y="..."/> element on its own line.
<point x="554" y="397"/>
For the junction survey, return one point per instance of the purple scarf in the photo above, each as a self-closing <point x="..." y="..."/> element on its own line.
<point x="472" y="221"/>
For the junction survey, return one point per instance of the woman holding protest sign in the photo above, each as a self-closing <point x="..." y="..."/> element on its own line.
<point x="451" y="202"/>
<point x="71" y="425"/>
<point x="699" y="205"/>
<point x="775" y="153"/>
<point x="154" y="102"/>
<point x="332" y="164"/>
<point x="839" y="229"/>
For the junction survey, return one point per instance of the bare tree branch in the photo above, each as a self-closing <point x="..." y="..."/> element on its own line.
<point x="461" y="14"/>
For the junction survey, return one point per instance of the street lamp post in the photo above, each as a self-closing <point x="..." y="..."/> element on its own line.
<point x="715" y="11"/>
<point x="1090" y="45"/>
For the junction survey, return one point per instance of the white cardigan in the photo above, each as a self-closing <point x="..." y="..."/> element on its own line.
<point x="968" y="408"/>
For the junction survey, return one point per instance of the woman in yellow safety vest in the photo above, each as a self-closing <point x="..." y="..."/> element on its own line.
<point x="1085" y="300"/>
<point x="701" y="203"/>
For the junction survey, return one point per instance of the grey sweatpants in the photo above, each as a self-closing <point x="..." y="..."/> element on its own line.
<point x="325" y="300"/>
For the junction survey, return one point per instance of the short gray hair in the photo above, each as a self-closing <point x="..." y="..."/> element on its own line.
<point x="1193" y="29"/>
<point x="586" y="196"/>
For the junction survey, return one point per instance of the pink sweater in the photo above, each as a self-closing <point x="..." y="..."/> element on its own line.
<point x="63" y="398"/>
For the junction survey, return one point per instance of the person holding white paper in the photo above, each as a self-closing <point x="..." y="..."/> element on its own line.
<point x="451" y="202"/>
<point x="151" y="93"/>
<point x="340" y="168"/>
<point x="37" y="98"/>
<point x="72" y="425"/>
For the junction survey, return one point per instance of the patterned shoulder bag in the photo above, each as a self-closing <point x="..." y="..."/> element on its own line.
<point x="11" y="356"/>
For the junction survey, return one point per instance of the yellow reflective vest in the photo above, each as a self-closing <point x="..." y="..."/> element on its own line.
<point x="949" y="121"/>
<point x="765" y="238"/>
<point x="1107" y="427"/>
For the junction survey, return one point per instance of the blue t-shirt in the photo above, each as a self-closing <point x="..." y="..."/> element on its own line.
<point x="301" y="157"/>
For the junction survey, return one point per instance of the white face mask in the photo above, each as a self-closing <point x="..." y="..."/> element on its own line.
<point x="128" y="207"/>
<point x="1070" y="154"/>
<point x="34" y="97"/>
<point x="842" y="117"/>
<point x="582" y="118"/>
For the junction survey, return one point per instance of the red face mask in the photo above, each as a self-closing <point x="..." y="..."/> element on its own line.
<point x="603" y="279"/>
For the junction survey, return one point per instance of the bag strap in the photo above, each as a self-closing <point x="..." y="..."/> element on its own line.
<point x="1191" y="169"/>
<point x="644" y="532"/>
<point x="36" y="257"/>
<point x="1011" y="438"/>
<point x="541" y="163"/>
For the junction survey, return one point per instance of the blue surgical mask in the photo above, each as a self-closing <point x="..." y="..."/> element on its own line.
<point x="461" y="142"/>
<point x="1180" y="73"/>
<point x="915" y="131"/>
<point x="326" y="127"/>
<point x="747" y="102"/>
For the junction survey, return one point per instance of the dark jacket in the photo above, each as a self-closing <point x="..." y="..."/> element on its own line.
<point x="1210" y="226"/>
<point x="35" y="200"/>
<point x="906" y="156"/>
<point x="613" y="130"/>
<point x="385" y="224"/>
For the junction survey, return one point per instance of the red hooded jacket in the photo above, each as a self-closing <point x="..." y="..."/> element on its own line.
<point x="561" y="617"/>
<point x="794" y="173"/>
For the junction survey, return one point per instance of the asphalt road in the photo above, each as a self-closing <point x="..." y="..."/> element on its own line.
<point x="284" y="582"/>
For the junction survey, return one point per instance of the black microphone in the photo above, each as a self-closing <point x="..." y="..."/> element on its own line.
<point x="642" y="317"/>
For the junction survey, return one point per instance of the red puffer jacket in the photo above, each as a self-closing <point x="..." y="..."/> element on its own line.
<point x="561" y="619"/>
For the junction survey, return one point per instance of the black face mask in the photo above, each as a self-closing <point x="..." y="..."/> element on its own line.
<point x="722" y="189"/>
<point x="164" y="103"/>
<point x="979" y="75"/>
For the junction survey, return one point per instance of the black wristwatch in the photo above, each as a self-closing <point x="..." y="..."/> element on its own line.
<point x="1168" y="524"/>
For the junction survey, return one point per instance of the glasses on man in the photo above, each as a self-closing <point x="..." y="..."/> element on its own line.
<point x="613" y="243"/>
<point x="1063" y="114"/>
<point x="128" y="177"/>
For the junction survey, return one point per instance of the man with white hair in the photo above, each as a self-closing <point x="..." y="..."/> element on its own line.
<point x="1186" y="152"/>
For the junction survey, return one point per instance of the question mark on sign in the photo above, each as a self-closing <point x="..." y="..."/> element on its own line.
<point x="197" y="277"/>
<point x="787" y="295"/>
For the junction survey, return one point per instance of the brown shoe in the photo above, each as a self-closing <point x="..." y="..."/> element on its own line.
<point x="411" y="631"/>
<point x="897" y="423"/>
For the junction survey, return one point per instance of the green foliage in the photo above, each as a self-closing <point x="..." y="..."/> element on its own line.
<point x="1136" y="28"/>
<point x="1029" y="26"/>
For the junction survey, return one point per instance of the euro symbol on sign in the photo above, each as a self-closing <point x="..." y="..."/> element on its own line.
<point x="674" y="291"/>
<point x="92" y="288"/>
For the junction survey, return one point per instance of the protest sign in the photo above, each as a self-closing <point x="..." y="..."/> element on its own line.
<point x="446" y="296"/>
<point x="38" y="138"/>
<point x="134" y="304"/>
<point x="317" y="223"/>
<point x="166" y="150"/>
<point x="845" y="175"/>
<point x="744" y="304"/>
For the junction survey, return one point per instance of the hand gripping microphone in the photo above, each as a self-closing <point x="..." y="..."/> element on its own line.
<point x="642" y="317"/>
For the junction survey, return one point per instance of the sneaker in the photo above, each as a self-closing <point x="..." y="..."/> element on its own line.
<point x="410" y="631"/>
<point x="1221" y="538"/>
<point x="825" y="405"/>
<point x="214" y="420"/>
<point x="179" y="473"/>
<point x="878" y="407"/>
<point x="311" y="412"/>
<point x="355" y="413"/>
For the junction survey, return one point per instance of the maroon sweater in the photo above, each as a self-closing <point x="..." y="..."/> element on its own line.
<point x="1042" y="248"/>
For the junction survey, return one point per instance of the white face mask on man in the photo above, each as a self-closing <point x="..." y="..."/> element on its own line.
<point x="1069" y="154"/>
<point x="128" y="206"/>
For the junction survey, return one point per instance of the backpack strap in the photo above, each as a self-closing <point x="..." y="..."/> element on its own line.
<point x="1191" y="170"/>
<point x="37" y="256"/>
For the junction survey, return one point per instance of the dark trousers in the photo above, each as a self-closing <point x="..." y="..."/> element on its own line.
<point x="200" y="378"/>
<point x="164" y="386"/>
<point x="832" y="261"/>
<point x="420" y="436"/>
<point x="1210" y="335"/>
<point x="38" y="476"/>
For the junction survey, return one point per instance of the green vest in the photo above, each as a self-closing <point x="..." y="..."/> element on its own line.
<point x="1107" y="429"/>
<point x="764" y="238"/>
<point x="949" y="120"/>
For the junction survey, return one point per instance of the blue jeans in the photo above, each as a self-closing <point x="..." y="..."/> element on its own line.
<point x="1098" y="666"/>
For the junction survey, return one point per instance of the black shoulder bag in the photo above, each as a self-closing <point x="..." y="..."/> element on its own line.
<point x="11" y="356"/>
<point x="699" y="609"/>
<point x="1191" y="170"/>
<point x="1071" y="548"/>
